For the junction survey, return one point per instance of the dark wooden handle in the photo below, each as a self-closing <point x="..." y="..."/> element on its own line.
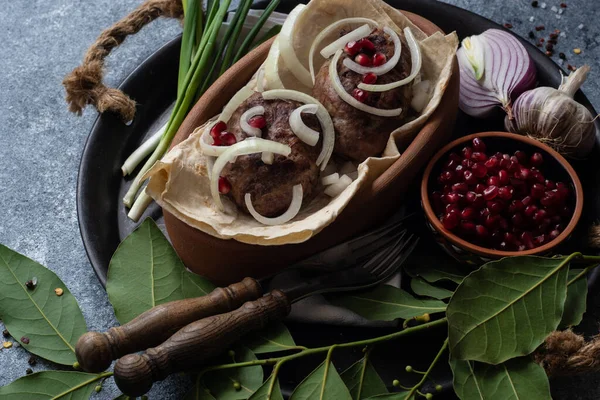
<point x="95" y="351"/>
<point x="197" y="342"/>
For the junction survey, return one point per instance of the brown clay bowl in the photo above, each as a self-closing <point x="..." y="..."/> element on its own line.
<point x="226" y="261"/>
<point x="555" y="168"/>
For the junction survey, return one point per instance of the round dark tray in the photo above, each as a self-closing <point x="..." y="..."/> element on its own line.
<point x="103" y="220"/>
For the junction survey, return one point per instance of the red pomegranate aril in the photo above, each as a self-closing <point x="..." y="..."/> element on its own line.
<point x="479" y="157"/>
<point x="554" y="234"/>
<point x="452" y="208"/>
<point x="538" y="190"/>
<point x="217" y="141"/>
<point x="523" y="174"/>
<point x="450" y="221"/>
<point x="453" y="198"/>
<point x="505" y="163"/>
<point x="536" y="159"/>
<point x="491" y="163"/>
<point x="360" y="95"/>
<point x="379" y="59"/>
<point x="460" y="187"/>
<point x="459" y="170"/>
<point x="530" y="210"/>
<point x="479" y="188"/>
<point x="549" y="184"/>
<point x="469" y="177"/>
<point x="562" y="190"/>
<point x="370" y="79"/>
<point x="467" y="226"/>
<point x="540" y="216"/>
<point x="467" y="152"/>
<point x="493" y="180"/>
<point x="481" y="231"/>
<point x="538" y="177"/>
<point x="527" y="239"/>
<point x="559" y="227"/>
<point x="527" y="200"/>
<point x="503" y="222"/>
<point x="516" y="205"/>
<point x="485" y="212"/>
<point x="506" y="156"/>
<point x="216" y="130"/>
<point x="468" y="213"/>
<point x="467" y="163"/>
<point x="496" y="236"/>
<point x="490" y="192"/>
<point x="521" y="247"/>
<point x="478" y="145"/>
<point x="224" y="185"/>
<point x="510" y="238"/>
<point x="227" y="139"/>
<point x="549" y="199"/>
<point x="539" y="240"/>
<point x="455" y="157"/>
<point x="352" y="48"/>
<point x="364" y="60"/>
<point x="491" y="221"/>
<point x="479" y="170"/>
<point x="514" y="159"/>
<point x="479" y="202"/>
<point x="366" y="44"/>
<point x="503" y="177"/>
<point x="450" y="165"/>
<point x="470" y="197"/>
<point x="517" y="219"/>
<point x="505" y="192"/>
<point x="495" y="206"/>
<point x="257" y="122"/>
<point x="503" y="246"/>
<point x="521" y="156"/>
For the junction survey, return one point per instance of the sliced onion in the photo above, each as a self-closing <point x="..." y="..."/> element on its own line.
<point x="267" y="157"/>
<point x="420" y="95"/>
<point x="206" y="143"/>
<point x="474" y="51"/>
<point x="327" y="31"/>
<point x="416" y="61"/>
<point x="353" y="175"/>
<point x="304" y="133"/>
<point x="291" y="212"/>
<point x="286" y="47"/>
<point x="345" y="180"/>
<point x="330" y="179"/>
<point x="322" y="115"/>
<point x="335" y="189"/>
<point x="210" y="163"/>
<point x="242" y="148"/>
<point x="246" y="127"/>
<point x="339" y="44"/>
<point x="241" y="96"/>
<point x="260" y="84"/>
<point x="337" y="85"/>
<point x="347" y="167"/>
<point x="382" y="69"/>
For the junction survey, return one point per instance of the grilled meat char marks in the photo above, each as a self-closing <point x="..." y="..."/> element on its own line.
<point x="359" y="135"/>
<point x="271" y="185"/>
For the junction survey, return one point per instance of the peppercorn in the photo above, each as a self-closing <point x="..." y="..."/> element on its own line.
<point x="538" y="44"/>
<point x="237" y="386"/>
<point x="553" y="35"/>
<point x="408" y="369"/>
<point x="549" y="53"/>
<point x="98" y="389"/>
<point x="29" y="371"/>
<point x="438" y="388"/>
<point x="542" y="40"/>
<point x="32" y="361"/>
<point x="531" y="35"/>
<point x="31" y="284"/>
<point x="571" y="67"/>
<point x="59" y="292"/>
<point x="562" y="55"/>
<point x="577" y="51"/>
<point x="508" y="26"/>
<point x="5" y="333"/>
<point x="534" y="3"/>
<point x="25" y="340"/>
<point x="563" y="5"/>
<point x="7" y="345"/>
<point x="429" y="396"/>
<point x="553" y="41"/>
<point x="395" y="383"/>
<point x="540" y="28"/>
<point x="549" y="46"/>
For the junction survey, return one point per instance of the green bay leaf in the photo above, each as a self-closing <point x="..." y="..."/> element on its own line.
<point x="48" y="385"/>
<point x="220" y="383"/>
<point x="362" y="380"/>
<point x="199" y="392"/>
<point x="429" y="268"/>
<point x="322" y="384"/>
<point x="274" y="338"/>
<point x="506" y="308"/>
<point x="51" y="323"/>
<point x="387" y="303"/>
<point x="576" y="302"/>
<point x="145" y="271"/>
<point x="516" y="379"/>
<point x="263" y="392"/>
<point x="422" y="288"/>
<point x="390" y="396"/>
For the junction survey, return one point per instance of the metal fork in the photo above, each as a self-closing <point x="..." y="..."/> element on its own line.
<point x="195" y="343"/>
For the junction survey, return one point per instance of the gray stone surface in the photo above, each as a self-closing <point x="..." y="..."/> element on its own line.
<point x="41" y="143"/>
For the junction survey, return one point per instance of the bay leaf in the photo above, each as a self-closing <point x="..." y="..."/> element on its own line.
<point x="506" y="308"/>
<point x="220" y="382"/>
<point x="51" y="323"/>
<point x="274" y="338"/>
<point x="322" y="385"/>
<point x="47" y="385"/>
<point x="199" y="392"/>
<point x="390" y="396"/>
<point x="434" y="271"/>
<point x="362" y="380"/>
<point x="422" y="288"/>
<point x="387" y="303"/>
<point x="516" y="379"/>
<point x="576" y="302"/>
<point x="263" y="392"/>
<point x="145" y="271"/>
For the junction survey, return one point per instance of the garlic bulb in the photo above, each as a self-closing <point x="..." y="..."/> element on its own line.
<point x="553" y="117"/>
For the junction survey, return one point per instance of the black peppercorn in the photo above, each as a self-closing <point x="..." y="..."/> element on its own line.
<point x="562" y="55"/>
<point x="534" y="3"/>
<point x="32" y="361"/>
<point x="29" y="371"/>
<point x="5" y="333"/>
<point x="549" y="46"/>
<point x="25" y="340"/>
<point x="531" y="35"/>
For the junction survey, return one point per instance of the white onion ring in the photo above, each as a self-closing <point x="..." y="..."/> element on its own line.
<point x="335" y="189"/>
<point x="382" y="69"/>
<point x="322" y="115"/>
<point x="233" y="104"/>
<point x="337" y="85"/>
<point x="353" y="36"/>
<point x="245" y="147"/>
<point x="208" y="149"/>
<point x="267" y="157"/>
<point x="416" y="61"/>
<point x="304" y="133"/>
<point x="327" y="31"/>
<point x="260" y="84"/>
<point x="291" y="212"/>
<point x="246" y="127"/>
<point x="330" y="179"/>
<point x="286" y="48"/>
<point x="345" y="180"/>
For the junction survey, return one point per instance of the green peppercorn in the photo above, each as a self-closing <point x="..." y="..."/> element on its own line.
<point x="396" y="383"/>
<point x="231" y="353"/>
<point x="76" y="365"/>
<point x="429" y="396"/>
<point x="408" y="368"/>
<point x="98" y="389"/>
<point x="237" y="386"/>
<point x="438" y="388"/>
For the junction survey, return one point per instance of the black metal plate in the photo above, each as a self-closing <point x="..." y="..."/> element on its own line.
<point x="103" y="220"/>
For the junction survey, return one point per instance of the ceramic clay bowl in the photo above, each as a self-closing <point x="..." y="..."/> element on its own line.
<point x="226" y="261"/>
<point x="554" y="167"/>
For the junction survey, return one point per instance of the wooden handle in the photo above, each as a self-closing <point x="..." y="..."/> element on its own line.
<point x="194" y="344"/>
<point x="95" y="351"/>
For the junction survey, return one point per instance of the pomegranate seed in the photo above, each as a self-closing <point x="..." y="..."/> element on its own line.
<point x="490" y="192"/>
<point x="492" y="162"/>
<point x="505" y="162"/>
<point x="467" y="226"/>
<point x="370" y="79"/>
<point x="216" y="130"/>
<point x="481" y="231"/>
<point x="496" y="236"/>
<point x="227" y="139"/>
<point x="514" y="159"/>
<point x="459" y="170"/>
<point x="562" y="189"/>
<point x="549" y="184"/>
<point x="538" y="177"/>
<point x="450" y="221"/>
<point x="559" y="227"/>
<point x="530" y="210"/>
<point x="467" y="163"/>
<point x="506" y="157"/>
<point x="537" y="191"/>
<point x="527" y="200"/>
<point x="513" y="166"/>
<point x="363" y="59"/>
<point x="536" y="159"/>
<point x="455" y="157"/>
<point x="224" y="185"/>
<point x="479" y="202"/>
<point x="479" y="188"/>
<point x="453" y="198"/>
<point x="540" y="215"/>
<point x="495" y="206"/>
<point x="379" y="59"/>
<point x="447" y="176"/>
<point x="467" y="152"/>
<point x="352" y="48"/>
<point x="539" y="240"/>
<point x="517" y="219"/>
<point x="257" y="122"/>
<point x="360" y="95"/>
<point x="527" y="239"/>
<point x="470" y="197"/>
<point x="521" y="156"/>
<point x="544" y="225"/>
<point x="470" y="177"/>
<point x="479" y="170"/>
<point x="517" y="183"/>
<point x="550" y="199"/>
<point x="521" y="247"/>
<point x="366" y="44"/>
<point x="493" y="180"/>
<point x="510" y="238"/>
<point x="217" y="141"/>
<point x="523" y="174"/>
<point x="505" y="192"/>
<point x="468" y="213"/>
<point x="453" y="209"/>
<point x="478" y="157"/>
<point x="478" y="145"/>
<point x="450" y="165"/>
<point x="554" y="234"/>
<point x="460" y="187"/>
<point x="503" y="177"/>
<point x="516" y="205"/>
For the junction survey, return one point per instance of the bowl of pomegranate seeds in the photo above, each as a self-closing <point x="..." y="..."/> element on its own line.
<point x="497" y="194"/>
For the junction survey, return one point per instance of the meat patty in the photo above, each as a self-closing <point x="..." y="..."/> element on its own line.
<point x="359" y="135"/>
<point x="271" y="185"/>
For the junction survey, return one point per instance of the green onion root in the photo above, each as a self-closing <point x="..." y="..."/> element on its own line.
<point x="142" y="152"/>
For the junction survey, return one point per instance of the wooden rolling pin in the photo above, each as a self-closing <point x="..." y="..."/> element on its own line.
<point x="194" y="344"/>
<point x="95" y="351"/>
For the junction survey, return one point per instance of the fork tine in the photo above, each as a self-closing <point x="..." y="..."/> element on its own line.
<point x="372" y="236"/>
<point x="396" y="248"/>
<point x="381" y="241"/>
<point x="400" y="258"/>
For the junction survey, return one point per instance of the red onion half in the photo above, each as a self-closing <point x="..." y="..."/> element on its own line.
<point x="503" y="66"/>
